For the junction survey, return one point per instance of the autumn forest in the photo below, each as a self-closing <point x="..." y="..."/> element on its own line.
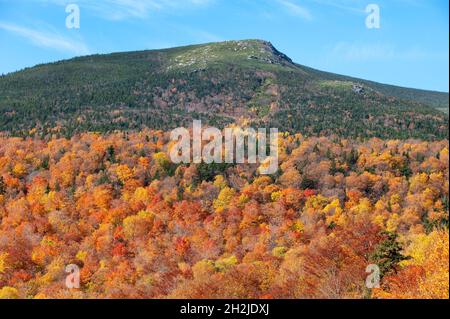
<point x="139" y="226"/>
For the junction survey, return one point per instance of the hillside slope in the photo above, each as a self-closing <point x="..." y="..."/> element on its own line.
<point x="248" y="82"/>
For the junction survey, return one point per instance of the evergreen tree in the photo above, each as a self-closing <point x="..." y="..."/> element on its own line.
<point x="388" y="254"/>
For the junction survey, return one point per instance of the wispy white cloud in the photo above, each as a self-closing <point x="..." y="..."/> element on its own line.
<point x="126" y="9"/>
<point x="416" y="3"/>
<point x="355" y="6"/>
<point x="47" y="39"/>
<point x="358" y="6"/>
<point x="364" y="52"/>
<point x="381" y="52"/>
<point x="201" y="35"/>
<point x="295" y="9"/>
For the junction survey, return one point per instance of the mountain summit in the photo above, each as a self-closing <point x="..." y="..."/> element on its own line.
<point x="237" y="51"/>
<point x="248" y="82"/>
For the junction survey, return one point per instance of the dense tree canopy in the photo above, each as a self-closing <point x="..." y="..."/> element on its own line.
<point x="139" y="226"/>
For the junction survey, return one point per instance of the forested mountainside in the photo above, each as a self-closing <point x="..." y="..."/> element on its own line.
<point x="246" y="82"/>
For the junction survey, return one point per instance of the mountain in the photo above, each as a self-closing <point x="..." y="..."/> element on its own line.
<point x="247" y="82"/>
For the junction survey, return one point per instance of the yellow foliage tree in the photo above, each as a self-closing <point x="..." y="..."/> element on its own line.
<point x="224" y="199"/>
<point x="9" y="293"/>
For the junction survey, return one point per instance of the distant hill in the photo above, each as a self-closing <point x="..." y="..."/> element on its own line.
<point x="439" y="100"/>
<point x="247" y="82"/>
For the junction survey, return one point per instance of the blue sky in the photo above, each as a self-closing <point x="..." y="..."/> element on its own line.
<point x="411" y="47"/>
